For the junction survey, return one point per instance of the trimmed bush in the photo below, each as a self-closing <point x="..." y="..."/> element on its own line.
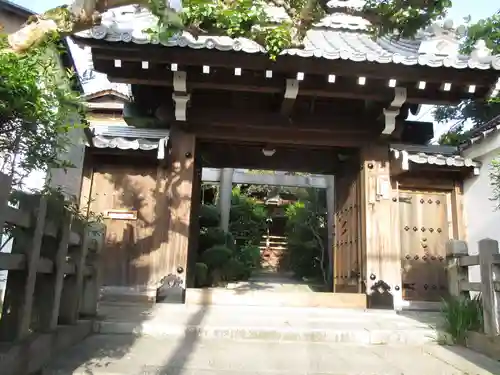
<point x="216" y="256"/>
<point x="201" y="274"/>
<point x="210" y="237"/>
<point x="209" y="216"/>
<point x="249" y="255"/>
<point x="234" y="270"/>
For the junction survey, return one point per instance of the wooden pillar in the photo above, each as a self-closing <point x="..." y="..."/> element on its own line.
<point x="225" y="194"/>
<point x="179" y="190"/>
<point x="380" y="230"/>
<point x="330" y="206"/>
<point x="194" y="225"/>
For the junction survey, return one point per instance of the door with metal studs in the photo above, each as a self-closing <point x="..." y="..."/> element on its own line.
<point x="424" y="230"/>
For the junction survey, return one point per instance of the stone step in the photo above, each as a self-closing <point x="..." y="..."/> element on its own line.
<point x="273" y="295"/>
<point x="132" y="355"/>
<point x="270" y="324"/>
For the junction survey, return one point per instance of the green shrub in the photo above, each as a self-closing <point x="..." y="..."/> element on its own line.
<point x="210" y="237"/>
<point x="209" y="216"/>
<point x="462" y="314"/>
<point x="216" y="256"/>
<point x="234" y="270"/>
<point x="307" y="235"/>
<point x="201" y="274"/>
<point x="247" y="218"/>
<point x="249" y="255"/>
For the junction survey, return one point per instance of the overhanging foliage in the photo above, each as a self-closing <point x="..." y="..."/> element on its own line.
<point x="38" y="110"/>
<point x="247" y="18"/>
<point x="479" y="111"/>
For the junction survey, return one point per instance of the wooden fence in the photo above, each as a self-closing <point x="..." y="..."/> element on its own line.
<point x="52" y="283"/>
<point x="488" y="261"/>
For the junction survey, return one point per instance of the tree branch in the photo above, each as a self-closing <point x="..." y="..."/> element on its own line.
<point x="65" y="20"/>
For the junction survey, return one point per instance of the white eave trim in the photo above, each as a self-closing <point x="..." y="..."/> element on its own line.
<point x="130" y="138"/>
<point x="456" y="161"/>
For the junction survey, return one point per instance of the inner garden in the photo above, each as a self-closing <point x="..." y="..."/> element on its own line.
<point x="274" y="232"/>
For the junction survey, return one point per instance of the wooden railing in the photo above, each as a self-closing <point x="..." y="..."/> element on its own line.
<point x="53" y="280"/>
<point x="488" y="261"/>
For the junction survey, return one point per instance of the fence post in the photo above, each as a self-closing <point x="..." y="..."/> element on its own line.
<point x="19" y="293"/>
<point x="51" y="290"/>
<point x="455" y="249"/>
<point x="490" y="298"/>
<point x="92" y="283"/>
<point x="73" y="284"/>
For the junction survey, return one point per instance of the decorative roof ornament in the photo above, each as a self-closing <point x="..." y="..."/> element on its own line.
<point x="445" y="28"/>
<point x="480" y="51"/>
<point x="441" y="39"/>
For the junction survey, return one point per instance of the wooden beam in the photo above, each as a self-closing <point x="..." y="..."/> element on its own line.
<point x="312" y="85"/>
<point x="17" y="262"/>
<point x="244" y="155"/>
<point x="186" y="56"/>
<point x="292" y="136"/>
<point x="269" y="121"/>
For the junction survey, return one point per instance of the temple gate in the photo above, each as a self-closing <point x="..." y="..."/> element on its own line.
<point x="341" y="107"/>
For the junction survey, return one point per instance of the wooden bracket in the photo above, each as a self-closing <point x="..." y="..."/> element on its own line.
<point x="180" y="95"/>
<point x="391" y="113"/>
<point x="291" y="92"/>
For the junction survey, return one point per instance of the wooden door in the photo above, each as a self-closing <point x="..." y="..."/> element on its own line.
<point x="134" y="248"/>
<point x="424" y="230"/>
<point x="347" y="242"/>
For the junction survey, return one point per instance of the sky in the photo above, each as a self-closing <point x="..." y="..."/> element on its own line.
<point x="476" y="9"/>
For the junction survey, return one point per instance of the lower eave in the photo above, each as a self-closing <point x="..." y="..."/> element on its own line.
<point x="446" y="158"/>
<point x="160" y="66"/>
<point x="285" y="63"/>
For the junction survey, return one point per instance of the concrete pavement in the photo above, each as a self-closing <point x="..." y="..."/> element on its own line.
<point x="168" y="339"/>
<point x="129" y="355"/>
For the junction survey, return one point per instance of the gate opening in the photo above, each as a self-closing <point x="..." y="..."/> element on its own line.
<point x="277" y="236"/>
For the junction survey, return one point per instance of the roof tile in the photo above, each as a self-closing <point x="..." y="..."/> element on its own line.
<point x="337" y="36"/>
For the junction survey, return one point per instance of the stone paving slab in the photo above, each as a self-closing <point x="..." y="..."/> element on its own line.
<point x="272" y="324"/>
<point x="234" y="315"/>
<point x="129" y="355"/>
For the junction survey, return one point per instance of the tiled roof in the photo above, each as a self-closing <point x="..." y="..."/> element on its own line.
<point x="480" y="133"/>
<point x="433" y="155"/>
<point x="337" y="36"/>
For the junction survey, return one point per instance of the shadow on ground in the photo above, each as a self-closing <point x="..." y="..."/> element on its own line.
<point x="99" y="351"/>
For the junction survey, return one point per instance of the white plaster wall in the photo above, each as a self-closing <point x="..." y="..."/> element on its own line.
<point x="481" y="213"/>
